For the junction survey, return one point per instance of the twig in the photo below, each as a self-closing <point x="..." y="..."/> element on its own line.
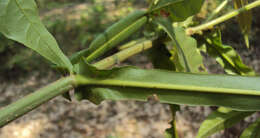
<point x="221" y="19"/>
<point x="123" y="55"/>
<point x="35" y="99"/>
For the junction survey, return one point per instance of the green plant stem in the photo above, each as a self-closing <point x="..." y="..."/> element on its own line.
<point x="174" y="123"/>
<point x="217" y="10"/>
<point x="173" y="131"/>
<point x="123" y="55"/>
<point x="33" y="100"/>
<point x="223" y="18"/>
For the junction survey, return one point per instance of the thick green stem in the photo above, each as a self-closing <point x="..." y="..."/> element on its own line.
<point x="35" y="99"/>
<point x="123" y="55"/>
<point x="223" y="18"/>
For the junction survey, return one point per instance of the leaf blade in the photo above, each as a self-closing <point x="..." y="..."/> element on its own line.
<point x="178" y="10"/>
<point x="252" y="131"/>
<point x="219" y="120"/>
<point x="236" y="92"/>
<point x="189" y="48"/>
<point x="188" y="57"/>
<point x="165" y="24"/>
<point x="226" y="56"/>
<point x="20" y="22"/>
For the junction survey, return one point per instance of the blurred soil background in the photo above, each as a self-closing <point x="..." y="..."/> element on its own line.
<point x="75" y="24"/>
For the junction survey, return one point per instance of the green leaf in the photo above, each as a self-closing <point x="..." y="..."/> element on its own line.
<point x="189" y="47"/>
<point x="252" y="131"/>
<point x="128" y="83"/>
<point x="187" y="57"/>
<point x="221" y="119"/>
<point x="112" y="36"/>
<point x="232" y="63"/>
<point x="226" y="56"/>
<point x="166" y="25"/>
<point x="178" y="10"/>
<point x="20" y="22"/>
<point x="244" y="19"/>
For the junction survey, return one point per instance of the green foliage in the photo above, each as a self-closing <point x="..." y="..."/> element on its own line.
<point x="252" y="131"/>
<point x="188" y="57"/>
<point x="177" y="10"/>
<point x="20" y="22"/>
<point x="182" y="57"/>
<point x="225" y="55"/>
<point x="112" y="36"/>
<point x="219" y="120"/>
<point x="189" y="47"/>
<point x="130" y="83"/>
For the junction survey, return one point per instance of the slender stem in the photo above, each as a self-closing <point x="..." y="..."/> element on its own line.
<point x="33" y="100"/>
<point x="217" y="10"/>
<point x="123" y="55"/>
<point x="174" y="109"/>
<point x="223" y="18"/>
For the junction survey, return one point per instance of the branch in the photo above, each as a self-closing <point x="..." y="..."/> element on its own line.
<point x="192" y="30"/>
<point x="123" y="55"/>
<point x="35" y="99"/>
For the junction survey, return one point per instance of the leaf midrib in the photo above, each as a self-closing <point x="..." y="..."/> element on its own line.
<point x="152" y="85"/>
<point x="171" y="33"/>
